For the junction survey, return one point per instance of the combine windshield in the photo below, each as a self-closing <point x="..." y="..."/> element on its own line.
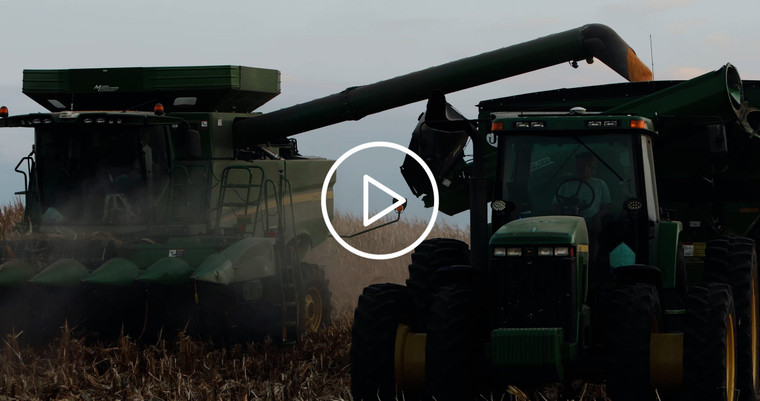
<point x="100" y="174"/>
<point x="589" y="176"/>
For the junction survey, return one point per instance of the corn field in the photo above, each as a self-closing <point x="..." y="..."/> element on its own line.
<point x="177" y="367"/>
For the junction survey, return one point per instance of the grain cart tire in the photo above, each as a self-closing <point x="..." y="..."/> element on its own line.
<point x="380" y="309"/>
<point x="455" y="343"/>
<point x="315" y="306"/>
<point x="709" y="344"/>
<point x="428" y="257"/>
<point x="733" y="261"/>
<point x="634" y="313"/>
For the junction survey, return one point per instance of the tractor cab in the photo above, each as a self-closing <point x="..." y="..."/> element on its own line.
<point x="597" y="167"/>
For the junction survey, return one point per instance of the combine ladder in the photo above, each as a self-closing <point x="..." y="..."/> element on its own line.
<point x="256" y="191"/>
<point x="288" y="257"/>
<point x="290" y="292"/>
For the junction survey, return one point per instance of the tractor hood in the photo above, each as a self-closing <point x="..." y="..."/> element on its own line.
<point x="542" y="230"/>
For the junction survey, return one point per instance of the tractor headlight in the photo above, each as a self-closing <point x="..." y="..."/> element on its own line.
<point x="514" y="251"/>
<point x="560" y="251"/>
<point x="545" y="251"/>
<point x="502" y="251"/>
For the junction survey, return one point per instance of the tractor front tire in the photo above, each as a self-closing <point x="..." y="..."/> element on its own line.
<point x="373" y="341"/>
<point x="455" y="343"/>
<point x="427" y="258"/>
<point x="633" y="315"/>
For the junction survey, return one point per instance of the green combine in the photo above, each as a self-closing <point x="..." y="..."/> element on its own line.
<point x="142" y="215"/>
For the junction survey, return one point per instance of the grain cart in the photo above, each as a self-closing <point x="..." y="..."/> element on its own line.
<point x="199" y="210"/>
<point x="583" y="271"/>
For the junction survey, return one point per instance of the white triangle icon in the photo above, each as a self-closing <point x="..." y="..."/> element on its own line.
<point x="399" y="200"/>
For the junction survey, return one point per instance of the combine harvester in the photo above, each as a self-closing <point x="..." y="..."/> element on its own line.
<point x="620" y="247"/>
<point x="146" y="216"/>
<point x="155" y="199"/>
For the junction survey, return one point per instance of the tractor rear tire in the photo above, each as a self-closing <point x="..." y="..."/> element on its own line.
<point x="427" y="258"/>
<point x="708" y="344"/>
<point x="455" y="343"/>
<point x="733" y="261"/>
<point x="633" y="314"/>
<point x="373" y="341"/>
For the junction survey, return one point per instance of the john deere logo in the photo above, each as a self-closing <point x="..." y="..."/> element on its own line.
<point x="106" y="88"/>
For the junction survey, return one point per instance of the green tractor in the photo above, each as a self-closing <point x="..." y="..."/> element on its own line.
<point x="155" y="199"/>
<point x="620" y="248"/>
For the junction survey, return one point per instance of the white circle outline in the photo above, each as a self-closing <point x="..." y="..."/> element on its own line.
<point x="326" y="184"/>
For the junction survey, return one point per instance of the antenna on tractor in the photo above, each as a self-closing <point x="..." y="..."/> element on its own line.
<point x="651" y="54"/>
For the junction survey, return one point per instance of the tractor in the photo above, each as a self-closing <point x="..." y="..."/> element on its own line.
<point x="620" y="248"/>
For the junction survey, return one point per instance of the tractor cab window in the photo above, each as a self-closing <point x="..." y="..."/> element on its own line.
<point x="589" y="176"/>
<point x="97" y="174"/>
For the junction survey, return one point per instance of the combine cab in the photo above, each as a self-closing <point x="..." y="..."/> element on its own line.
<point x="143" y="213"/>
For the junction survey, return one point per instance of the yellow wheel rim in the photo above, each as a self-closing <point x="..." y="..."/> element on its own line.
<point x="409" y="362"/>
<point x="313" y="307"/>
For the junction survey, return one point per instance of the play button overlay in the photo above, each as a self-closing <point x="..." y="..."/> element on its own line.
<point x="398" y="201"/>
<point x="370" y="185"/>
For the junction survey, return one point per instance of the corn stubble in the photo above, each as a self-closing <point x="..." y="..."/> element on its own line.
<point x="178" y="367"/>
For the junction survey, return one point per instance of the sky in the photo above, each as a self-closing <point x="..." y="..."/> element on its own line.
<point x="322" y="47"/>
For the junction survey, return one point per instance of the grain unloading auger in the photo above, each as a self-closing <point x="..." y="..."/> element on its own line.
<point x="171" y="203"/>
<point x="584" y="43"/>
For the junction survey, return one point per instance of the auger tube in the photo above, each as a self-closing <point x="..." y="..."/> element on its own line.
<point x="584" y="43"/>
